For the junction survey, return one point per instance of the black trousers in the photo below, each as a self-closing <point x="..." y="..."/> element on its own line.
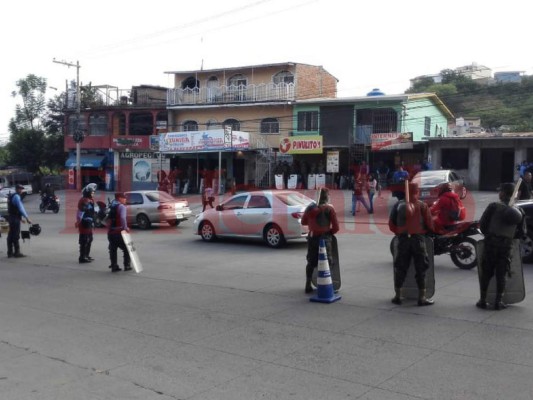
<point x="496" y="261"/>
<point x="13" y="237"/>
<point x="85" y="241"/>
<point x="411" y="247"/>
<point x="117" y="242"/>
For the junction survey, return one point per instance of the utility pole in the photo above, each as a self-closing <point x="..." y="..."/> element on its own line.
<point x="78" y="134"/>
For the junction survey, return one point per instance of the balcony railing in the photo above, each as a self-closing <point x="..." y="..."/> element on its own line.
<point x="114" y="97"/>
<point x="267" y="92"/>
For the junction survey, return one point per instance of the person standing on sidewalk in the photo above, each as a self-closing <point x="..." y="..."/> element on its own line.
<point x="85" y="222"/>
<point x="117" y="224"/>
<point x="16" y="212"/>
<point x="500" y="223"/>
<point x="322" y="221"/>
<point x="410" y="220"/>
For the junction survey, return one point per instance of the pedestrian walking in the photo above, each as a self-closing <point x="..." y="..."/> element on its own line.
<point x="15" y="211"/>
<point x="85" y="223"/>
<point x="371" y="188"/>
<point x="410" y="220"/>
<point x="207" y="198"/>
<point x="500" y="223"/>
<point x="117" y="224"/>
<point x="323" y="224"/>
<point x="358" y="196"/>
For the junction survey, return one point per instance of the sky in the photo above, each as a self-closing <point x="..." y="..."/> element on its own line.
<point x="364" y="44"/>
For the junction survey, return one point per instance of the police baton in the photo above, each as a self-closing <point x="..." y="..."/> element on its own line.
<point x="515" y="192"/>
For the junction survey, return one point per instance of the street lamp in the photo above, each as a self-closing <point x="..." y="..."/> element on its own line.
<point x="78" y="133"/>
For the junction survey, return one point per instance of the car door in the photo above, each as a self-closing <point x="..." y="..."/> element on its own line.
<point x="228" y="221"/>
<point x="134" y="206"/>
<point x="256" y="214"/>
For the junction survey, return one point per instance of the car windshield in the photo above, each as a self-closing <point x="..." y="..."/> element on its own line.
<point x="293" y="199"/>
<point x="432" y="178"/>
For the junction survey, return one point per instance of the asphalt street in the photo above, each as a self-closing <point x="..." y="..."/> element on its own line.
<point x="230" y="320"/>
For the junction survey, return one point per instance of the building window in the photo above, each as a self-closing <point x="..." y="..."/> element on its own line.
<point x="454" y="158"/>
<point x="384" y="121"/>
<point x="141" y="123"/>
<point x="283" y="77"/>
<point x="307" y="121"/>
<point x="427" y="126"/>
<point x="237" y="80"/>
<point x="270" y="126"/>
<point x="190" y="126"/>
<point x="235" y="125"/>
<point x="98" y="125"/>
<point x="190" y="83"/>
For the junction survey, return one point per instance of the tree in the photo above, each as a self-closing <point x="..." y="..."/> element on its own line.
<point x="36" y="138"/>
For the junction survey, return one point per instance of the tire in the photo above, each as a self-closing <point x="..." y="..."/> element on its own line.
<point x="526" y="246"/>
<point x="42" y="208"/>
<point x="56" y="209"/>
<point x="273" y="236"/>
<point x="143" y="222"/>
<point x="464" y="254"/>
<point x="207" y="231"/>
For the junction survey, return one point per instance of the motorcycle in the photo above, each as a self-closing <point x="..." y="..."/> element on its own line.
<point x="457" y="242"/>
<point x="49" y="203"/>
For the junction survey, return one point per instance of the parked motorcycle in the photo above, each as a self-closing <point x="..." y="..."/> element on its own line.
<point x="49" y="203"/>
<point x="458" y="243"/>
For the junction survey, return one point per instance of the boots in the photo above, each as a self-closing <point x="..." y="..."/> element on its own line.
<point x="397" y="299"/>
<point x="482" y="302"/>
<point x="422" y="300"/>
<point x="498" y="302"/>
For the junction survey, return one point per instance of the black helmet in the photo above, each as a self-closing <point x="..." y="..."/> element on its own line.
<point x="35" y="229"/>
<point x="89" y="189"/>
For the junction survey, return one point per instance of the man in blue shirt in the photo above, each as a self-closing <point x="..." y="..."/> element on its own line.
<point x="16" y="212"/>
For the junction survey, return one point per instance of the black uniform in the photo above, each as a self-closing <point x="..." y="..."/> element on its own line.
<point x="500" y="223"/>
<point x="85" y="225"/>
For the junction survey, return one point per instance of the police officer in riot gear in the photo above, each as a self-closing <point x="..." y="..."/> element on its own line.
<point x="410" y="221"/>
<point x="500" y="223"/>
<point x="16" y="212"/>
<point x="323" y="224"/>
<point x="85" y="223"/>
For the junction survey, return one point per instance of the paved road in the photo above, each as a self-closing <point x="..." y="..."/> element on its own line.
<point x="229" y="320"/>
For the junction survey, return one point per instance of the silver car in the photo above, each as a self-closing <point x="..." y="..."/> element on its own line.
<point x="145" y="207"/>
<point x="272" y="216"/>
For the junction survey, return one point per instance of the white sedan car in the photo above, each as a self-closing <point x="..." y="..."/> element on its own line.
<point x="273" y="216"/>
<point x="145" y="207"/>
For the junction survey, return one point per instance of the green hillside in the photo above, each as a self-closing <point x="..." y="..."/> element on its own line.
<point x="502" y="104"/>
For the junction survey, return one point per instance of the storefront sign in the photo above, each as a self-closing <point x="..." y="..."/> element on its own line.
<point x="391" y="141"/>
<point x="198" y="141"/>
<point x="123" y="142"/>
<point x="138" y="154"/>
<point x="311" y="144"/>
<point x="332" y="162"/>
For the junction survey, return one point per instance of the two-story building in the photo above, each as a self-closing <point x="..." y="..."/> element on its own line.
<point x="252" y="105"/>
<point x="118" y="127"/>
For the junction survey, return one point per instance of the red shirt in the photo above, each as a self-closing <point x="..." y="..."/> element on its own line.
<point x="447" y="202"/>
<point x="310" y="218"/>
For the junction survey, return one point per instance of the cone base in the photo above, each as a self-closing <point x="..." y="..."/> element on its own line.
<point x="332" y="299"/>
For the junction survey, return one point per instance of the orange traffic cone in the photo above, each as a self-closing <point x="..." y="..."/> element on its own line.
<point x="324" y="291"/>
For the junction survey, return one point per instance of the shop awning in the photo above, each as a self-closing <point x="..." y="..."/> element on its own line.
<point x="86" y="161"/>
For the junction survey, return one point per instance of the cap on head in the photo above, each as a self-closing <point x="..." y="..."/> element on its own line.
<point x="507" y="189"/>
<point x="119" y="195"/>
<point x="19" y="187"/>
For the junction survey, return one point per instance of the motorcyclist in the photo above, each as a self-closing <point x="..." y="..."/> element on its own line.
<point x="48" y="194"/>
<point x="447" y="210"/>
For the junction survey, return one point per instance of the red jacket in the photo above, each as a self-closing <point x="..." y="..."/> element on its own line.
<point x="447" y="202"/>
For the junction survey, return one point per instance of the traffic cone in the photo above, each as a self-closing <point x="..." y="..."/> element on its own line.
<point x="324" y="291"/>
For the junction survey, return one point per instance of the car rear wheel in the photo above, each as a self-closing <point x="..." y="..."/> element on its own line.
<point x="273" y="236"/>
<point x="143" y="221"/>
<point x="207" y="231"/>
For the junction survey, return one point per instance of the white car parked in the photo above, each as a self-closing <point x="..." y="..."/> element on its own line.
<point x="273" y="216"/>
